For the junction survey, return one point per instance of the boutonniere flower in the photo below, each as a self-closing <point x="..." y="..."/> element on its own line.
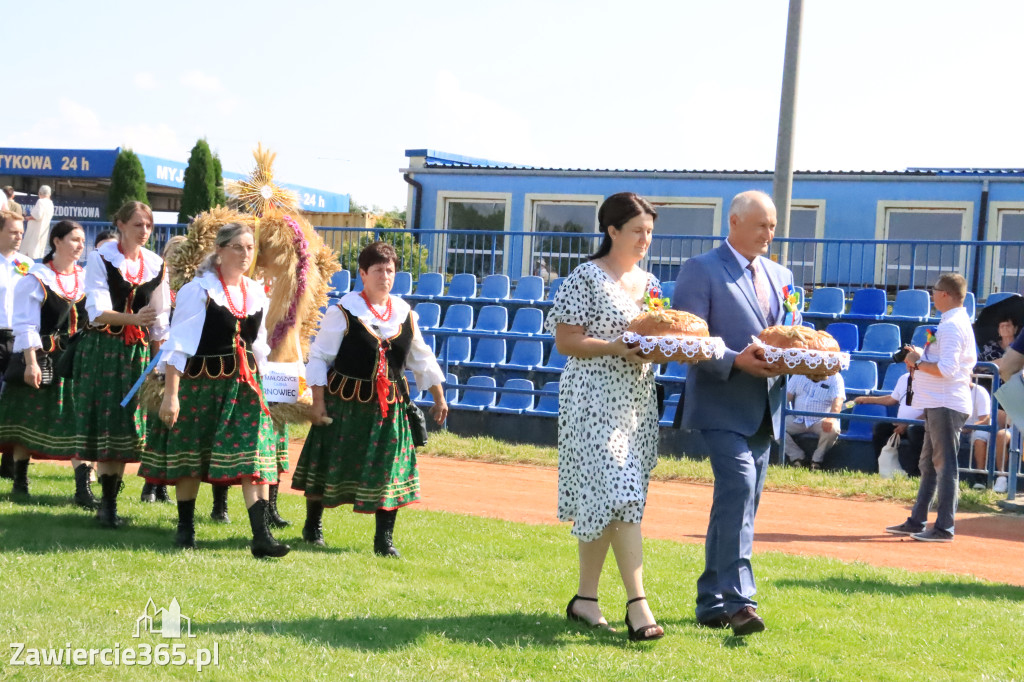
<point x="929" y="335"/>
<point x="22" y="267"/>
<point x="653" y="300"/>
<point x="790" y="299"/>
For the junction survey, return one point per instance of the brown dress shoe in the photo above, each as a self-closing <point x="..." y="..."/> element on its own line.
<point x="746" y="622"/>
<point x="715" y="622"/>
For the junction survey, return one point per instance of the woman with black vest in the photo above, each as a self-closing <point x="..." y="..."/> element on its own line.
<point x="36" y="412"/>
<point x="360" y="449"/>
<point x="127" y="300"/>
<point x="214" y="423"/>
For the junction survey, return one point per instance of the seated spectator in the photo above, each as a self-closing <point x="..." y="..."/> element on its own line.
<point x="911" y="439"/>
<point x="979" y="447"/>
<point x="827" y="395"/>
<point x="973" y="440"/>
<point x="996" y="348"/>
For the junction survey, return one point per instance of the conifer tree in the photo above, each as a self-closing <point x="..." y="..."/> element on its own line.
<point x="127" y="182"/>
<point x="200" y="190"/>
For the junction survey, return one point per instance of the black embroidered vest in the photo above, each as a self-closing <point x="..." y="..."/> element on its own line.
<point x="215" y="356"/>
<point x="353" y="375"/>
<point x="59" y="318"/>
<point x="121" y="290"/>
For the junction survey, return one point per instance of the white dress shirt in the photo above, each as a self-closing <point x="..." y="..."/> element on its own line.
<point x="773" y="288"/>
<point x="97" y="290"/>
<point x="325" y="346"/>
<point x="28" y="303"/>
<point x="955" y="352"/>
<point x="9" y="276"/>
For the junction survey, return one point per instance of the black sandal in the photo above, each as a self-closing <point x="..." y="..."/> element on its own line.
<point x="571" y="615"/>
<point x="647" y="633"/>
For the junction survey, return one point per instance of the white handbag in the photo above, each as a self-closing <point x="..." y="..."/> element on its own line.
<point x="889" y="459"/>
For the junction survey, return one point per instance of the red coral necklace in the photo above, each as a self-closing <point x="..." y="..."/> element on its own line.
<point x="239" y="313"/>
<point x="387" y="312"/>
<point x="69" y="295"/>
<point x="128" y="276"/>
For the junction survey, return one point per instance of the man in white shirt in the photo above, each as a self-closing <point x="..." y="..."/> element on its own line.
<point x="942" y="388"/>
<point x="11" y="231"/>
<point x="827" y="395"/>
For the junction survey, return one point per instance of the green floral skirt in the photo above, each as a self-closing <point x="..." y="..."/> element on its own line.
<point x="39" y="419"/>
<point x="104" y="371"/>
<point x="221" y="436"/>
<point x="360" y="459"/>
<point x="281" y="435"/>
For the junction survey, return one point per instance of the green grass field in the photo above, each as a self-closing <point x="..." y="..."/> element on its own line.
<point x="472" y="599"/>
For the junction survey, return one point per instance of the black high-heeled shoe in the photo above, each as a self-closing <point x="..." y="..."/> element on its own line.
<point x="647" y="633"/>
<point x="572" y="615"/>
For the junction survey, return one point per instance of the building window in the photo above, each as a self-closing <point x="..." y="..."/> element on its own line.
<point x="906" y="261"/>
<point x="806" y="221"/>
<point x="481" y="250"/>
<point x="684" y="228"/>
<point x="554" y="252"/>
<point x="1008" y="268"/>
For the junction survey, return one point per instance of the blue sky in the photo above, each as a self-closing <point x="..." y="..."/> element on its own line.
<point x="340" y="89"/>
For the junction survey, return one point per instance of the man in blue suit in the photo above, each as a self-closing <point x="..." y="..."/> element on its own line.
<point x="735" y="402"/>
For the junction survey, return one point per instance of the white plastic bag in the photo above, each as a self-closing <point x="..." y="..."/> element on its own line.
<point x="889" y="459"/>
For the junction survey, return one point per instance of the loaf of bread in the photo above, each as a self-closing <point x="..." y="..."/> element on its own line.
<point x="667" y="322"/>
<point x="798" y="336"/>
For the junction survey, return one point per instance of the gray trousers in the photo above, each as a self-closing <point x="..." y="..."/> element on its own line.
<point x="938" y="465"/>
<point x="825" y="440"/>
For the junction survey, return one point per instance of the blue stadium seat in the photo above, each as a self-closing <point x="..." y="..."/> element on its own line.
<point x="867" y="304"/>
<point x="892" y="374"/>
<point x="429" y="286"/>
<point x="674" y="373"/>
<point x="454" y="350"/>
<point x="527" y="322"/>
<point x="515" y="403"/>
<point x="492" y="318"/>
<point x="410" y="379"/>
<point x="845" y="334"/>
<point x="340" y="282"/>
<point x="402" y="285"/>
<point x="357" y="284"/>
<point x="827" y="302"/>
<point x="547" y="403"/>
<point x="671" y="405"/>
<point x="489" y="353"/>
<point x="431" y="342"/>
<point x="461" y="288"/>
<point x="861" y="378"/>
<point x="458" y="317"/>
<point x="970" y="305"/>
<point x="911" y="305"/>
<point x="478" y="395"/>
<point x="861" y="430"/>
<point x="553" y="287"/>
<point x="529" y="289"/>
<point x="881" y="340"/>
<point x="667" y="289"/>
<point x="451" y="395"/>
<point x="999" y="296"/>
<point x="556" y="361"/>
<point x="494" y="288"/>
<point x="525" y="356"/>
<point x="428" y="314"/>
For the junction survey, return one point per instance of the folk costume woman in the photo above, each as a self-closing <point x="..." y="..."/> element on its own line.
<point x="36" y="419"/>
<point x="127" y="299"/>
<point x="365" y="455"/>
<point x="214" y="423"/>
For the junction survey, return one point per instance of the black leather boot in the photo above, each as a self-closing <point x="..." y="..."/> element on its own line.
<point x="382" y="539"/>
<point x="185" y="537"/>
<point x="7" y="465"/>
<point x="148" y="492"/>
<point x="272" y="515"/>
<point x="220" y="504"/>
<point x="313" y="530"/>
<point x="160" y="494"/>
<point x="83" y="488"/>
<point x="110" y="484"/>
<point x="20" y="488"/>
<point x="263" y="543"/>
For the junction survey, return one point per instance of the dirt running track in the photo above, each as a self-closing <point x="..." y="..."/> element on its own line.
<point x="988" y="546"/>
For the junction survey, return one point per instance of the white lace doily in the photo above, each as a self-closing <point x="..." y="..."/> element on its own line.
<point x="690" y="348"/>
<point x="801" y="358"/>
